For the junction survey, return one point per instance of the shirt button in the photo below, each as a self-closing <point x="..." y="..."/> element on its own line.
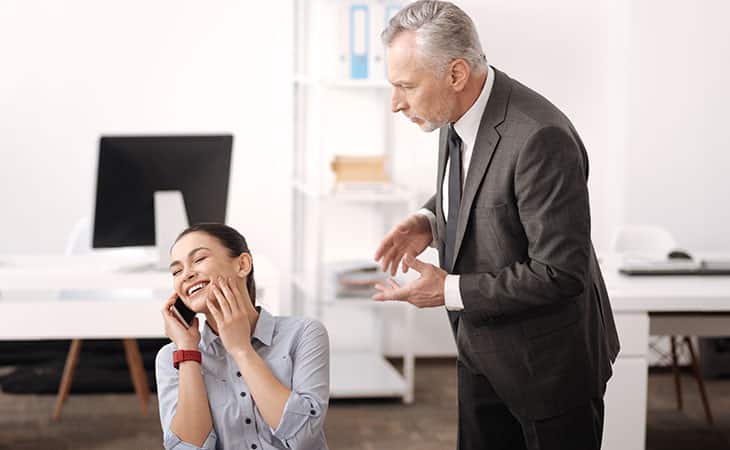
<point x="243" y="394"/>
<point x="248" y="421"/>
<point x="253" y="446"/>
<point x="312" y="412"/>
<point x="238" y="374"/>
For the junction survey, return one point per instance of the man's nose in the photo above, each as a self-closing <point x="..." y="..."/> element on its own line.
<point x="396" y="102"/>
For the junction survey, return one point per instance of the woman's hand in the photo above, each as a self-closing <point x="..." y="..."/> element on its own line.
<point x="184" y="338"/>
<point x="234" y="326"/>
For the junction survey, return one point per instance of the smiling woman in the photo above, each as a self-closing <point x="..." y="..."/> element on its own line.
<point x="248" y="379"/>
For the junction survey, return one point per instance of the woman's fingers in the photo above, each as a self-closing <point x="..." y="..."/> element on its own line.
<point x="170" y="301"/>
<point x="213" y="309"/>
<point x="229" y="295"/>
<point x="223" y="305"/>
<point x="237" y="293"/>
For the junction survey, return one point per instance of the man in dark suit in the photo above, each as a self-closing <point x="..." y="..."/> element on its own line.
<point x="510" y="218"/>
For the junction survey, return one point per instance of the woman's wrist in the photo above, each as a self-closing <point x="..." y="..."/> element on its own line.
<point x="187" y="345"/>
<point x="243" y="352"/>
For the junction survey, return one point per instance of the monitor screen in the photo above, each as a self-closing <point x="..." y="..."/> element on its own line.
<point x="132" y="168"/>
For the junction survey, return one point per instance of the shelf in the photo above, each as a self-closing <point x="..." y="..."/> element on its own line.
<point x="396" y="194"/>
<point x="362" y="375"/>
<point x="304" y="80"/>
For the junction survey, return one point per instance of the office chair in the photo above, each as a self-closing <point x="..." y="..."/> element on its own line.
<point x="656" y="243"/>
<point x="79" y="243"/>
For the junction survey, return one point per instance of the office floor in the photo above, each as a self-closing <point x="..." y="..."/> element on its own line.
<point x="113" y="422"/>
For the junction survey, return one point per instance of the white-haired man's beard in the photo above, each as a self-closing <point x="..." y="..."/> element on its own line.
<point x="440" y="117"/>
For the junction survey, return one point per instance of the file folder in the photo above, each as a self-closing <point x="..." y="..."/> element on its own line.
<point x="359" y="41"/>
<point x="390" y="10"/>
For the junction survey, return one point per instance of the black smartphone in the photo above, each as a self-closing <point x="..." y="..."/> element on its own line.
<point x="183" y="313"/>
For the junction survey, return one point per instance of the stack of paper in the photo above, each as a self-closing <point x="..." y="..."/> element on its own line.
<point x="357" y="279"/>
<point x="360" y="169"/>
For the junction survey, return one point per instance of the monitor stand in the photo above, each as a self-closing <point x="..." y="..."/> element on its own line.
<point x="171" y="219"/>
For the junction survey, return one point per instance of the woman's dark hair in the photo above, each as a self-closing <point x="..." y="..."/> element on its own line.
<point x="232" y="240"/>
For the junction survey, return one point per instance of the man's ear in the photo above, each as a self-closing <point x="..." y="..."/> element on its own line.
<point x="458" y="74"/>
<point x="245" y="263"/>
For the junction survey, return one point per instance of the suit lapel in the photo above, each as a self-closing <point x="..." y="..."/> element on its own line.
<point x="484" y="146"/>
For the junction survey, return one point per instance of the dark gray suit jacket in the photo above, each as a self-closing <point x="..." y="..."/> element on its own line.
<point x="537" y="320"/>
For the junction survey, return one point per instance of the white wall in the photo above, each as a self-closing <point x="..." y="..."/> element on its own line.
<point x="678" y="152"/>
<point x="76" y="69"/>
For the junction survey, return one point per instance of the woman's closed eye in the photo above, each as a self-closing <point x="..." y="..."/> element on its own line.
<point x="199" y="259"/>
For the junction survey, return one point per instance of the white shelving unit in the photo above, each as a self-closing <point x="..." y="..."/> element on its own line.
<point x="334" y="115"/>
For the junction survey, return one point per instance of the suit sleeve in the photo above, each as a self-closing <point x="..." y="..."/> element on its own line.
<point x="431" y="204"/>
<point x="552" y="200"/>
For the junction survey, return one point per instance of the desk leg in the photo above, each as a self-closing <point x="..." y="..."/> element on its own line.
<point x="675" y="371"/>
<point x="700" y="381"/>
<point x="136" y="370"/>
<point x="72" y="359"/>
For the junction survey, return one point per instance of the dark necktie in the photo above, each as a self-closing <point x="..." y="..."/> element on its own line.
<point x="454" y="143"/>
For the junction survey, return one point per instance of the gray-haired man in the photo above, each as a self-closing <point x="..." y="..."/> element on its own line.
<point x="510" y="218"/>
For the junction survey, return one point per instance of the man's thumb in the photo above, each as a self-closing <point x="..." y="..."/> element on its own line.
<point x="415" y="263"/>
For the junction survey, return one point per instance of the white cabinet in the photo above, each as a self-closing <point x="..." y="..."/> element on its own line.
<point x="336" y="115"/>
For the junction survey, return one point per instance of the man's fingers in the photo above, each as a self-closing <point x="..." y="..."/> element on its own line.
<point x="386" y="244"/>
<point x="416" y="264"/>
<point x="392" y="292"/>
<point x="389" y="258"/>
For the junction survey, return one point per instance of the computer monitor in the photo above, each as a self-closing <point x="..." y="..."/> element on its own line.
<point x="133" y="168"/>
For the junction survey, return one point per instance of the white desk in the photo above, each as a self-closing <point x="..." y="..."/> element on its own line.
<point x="100" y="299"/>
<point x="96" y="296"/>
<point x="700" y="306"/>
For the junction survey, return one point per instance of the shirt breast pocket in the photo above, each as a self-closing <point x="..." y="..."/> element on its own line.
<point x="218" y="388"/>
<point x="282" y="368"/>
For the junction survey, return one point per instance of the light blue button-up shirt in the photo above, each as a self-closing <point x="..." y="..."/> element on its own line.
<point x="297" y="352"/>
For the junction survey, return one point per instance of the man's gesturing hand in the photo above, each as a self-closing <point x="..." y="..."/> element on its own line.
<point x="410" y="237"/>
<point x="427" y="291"/>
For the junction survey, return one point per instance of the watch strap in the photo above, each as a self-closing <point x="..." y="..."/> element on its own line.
<point x="179" y="356"/>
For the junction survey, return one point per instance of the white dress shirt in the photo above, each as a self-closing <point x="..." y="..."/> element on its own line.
<point x="466" y="127"/>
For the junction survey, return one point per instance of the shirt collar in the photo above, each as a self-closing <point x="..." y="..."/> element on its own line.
<point x="264" y="331"/>
<point x="468" y="125"/>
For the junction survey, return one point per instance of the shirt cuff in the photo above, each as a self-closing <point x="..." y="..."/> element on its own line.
<point x="452" y="294"/>
<point x="173" y="442"/>
<point x="298" y="410"/>
<point x="432" y="221"/>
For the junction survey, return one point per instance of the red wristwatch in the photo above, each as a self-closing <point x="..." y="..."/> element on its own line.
<point x="179" y="356"/>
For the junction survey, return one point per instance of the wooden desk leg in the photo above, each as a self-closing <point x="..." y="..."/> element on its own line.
<point x="137" y="372"/>
<point x="72" y="359"/>
<point x="675" y="370"/>
<point x="700" y="381"/>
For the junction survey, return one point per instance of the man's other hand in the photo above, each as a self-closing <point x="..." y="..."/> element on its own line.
<point x="410" y="237"/>
<point x="425" y="292"/>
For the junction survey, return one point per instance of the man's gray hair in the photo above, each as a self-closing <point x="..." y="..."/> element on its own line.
<point x="443" y="33"/>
